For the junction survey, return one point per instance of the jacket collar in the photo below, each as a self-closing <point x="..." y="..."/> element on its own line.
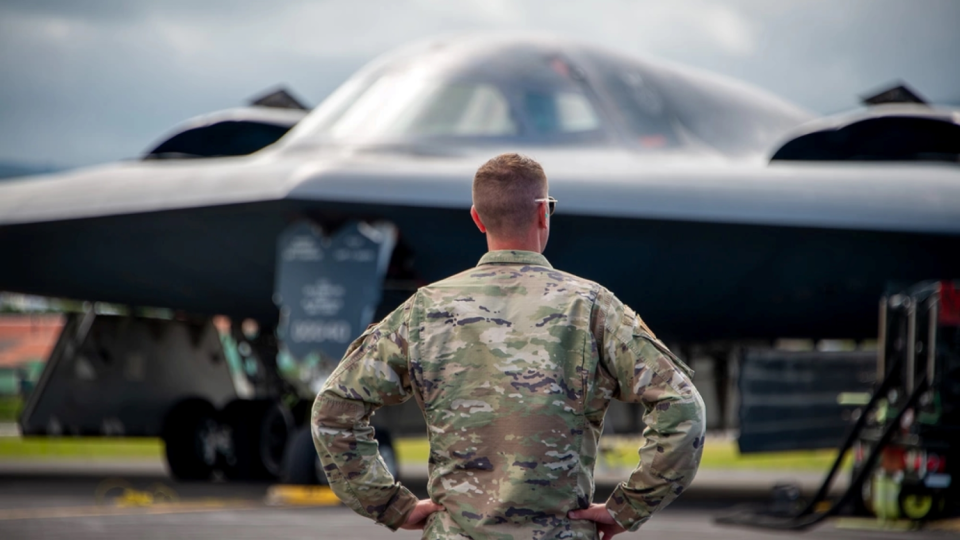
<point x="514" y="257"/>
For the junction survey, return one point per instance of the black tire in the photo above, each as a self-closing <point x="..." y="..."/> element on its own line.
<point x="301" y="464"/>
<point x="187" y="434"/>
<point x="862" y="502"/>
<point x="259" y="433"/>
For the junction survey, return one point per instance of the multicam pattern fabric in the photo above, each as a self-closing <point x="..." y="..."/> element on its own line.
<point x="513" y="364"/>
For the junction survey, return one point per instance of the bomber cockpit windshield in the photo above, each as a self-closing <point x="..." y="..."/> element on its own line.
<point x="542" y="103"/>
<point x="533" y="92"/>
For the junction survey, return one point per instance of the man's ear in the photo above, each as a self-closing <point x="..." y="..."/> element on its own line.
<point x="543" y="218"/>
<point x="477" y="220"/>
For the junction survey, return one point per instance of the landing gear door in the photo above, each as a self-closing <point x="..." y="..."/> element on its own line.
<point x="328" y="288"/>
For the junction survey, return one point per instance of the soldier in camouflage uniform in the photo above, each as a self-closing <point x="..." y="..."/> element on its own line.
<point x="513" y="364"/>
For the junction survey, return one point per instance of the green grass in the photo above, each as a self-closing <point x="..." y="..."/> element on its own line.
<point x="412" y="450"/>
<point x="724" y="454"/>
<point x="40" y="448"/>
<point x="10" y="408"/>
<point x="717" y="454"/>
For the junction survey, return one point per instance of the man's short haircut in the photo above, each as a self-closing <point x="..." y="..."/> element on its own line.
<point x="504" y="190"/>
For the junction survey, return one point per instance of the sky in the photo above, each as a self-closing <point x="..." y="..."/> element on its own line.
<point x="87" y="82"/>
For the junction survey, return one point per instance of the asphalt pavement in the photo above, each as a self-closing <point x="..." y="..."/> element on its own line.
<point x="80" y="500"/>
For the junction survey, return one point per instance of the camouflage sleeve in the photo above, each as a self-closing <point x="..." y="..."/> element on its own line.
<point x="648" y="373"/>
<point x="373" y="373"/>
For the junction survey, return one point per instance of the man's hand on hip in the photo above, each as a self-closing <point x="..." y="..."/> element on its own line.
<point x="418" y="518"/>
<point x="598" y="514"/>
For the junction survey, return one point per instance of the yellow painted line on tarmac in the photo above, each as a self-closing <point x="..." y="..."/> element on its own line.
<point x="874" y="524"/>
<point x="291" y="495"/>
<point x="952" y="525"/>
<point x="205" y="505"/>
<point x="279" y="495"/>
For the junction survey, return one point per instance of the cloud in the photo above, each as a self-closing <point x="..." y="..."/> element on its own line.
<point x="87" y="82"/>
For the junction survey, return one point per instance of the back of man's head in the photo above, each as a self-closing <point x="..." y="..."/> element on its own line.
<point x="504" y="190"/>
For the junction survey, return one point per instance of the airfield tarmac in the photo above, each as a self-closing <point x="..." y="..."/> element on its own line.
<point x="60" y="500"/>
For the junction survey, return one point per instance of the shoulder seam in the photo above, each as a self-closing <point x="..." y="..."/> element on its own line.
<point x="593" y="314"/>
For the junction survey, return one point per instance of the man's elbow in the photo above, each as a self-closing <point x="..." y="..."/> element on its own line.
<point x="695" y="428"/>
<point x="320" y="413"/>
<point x="327" y="419"/>
<point x="333" y="417"/>
<point x="683" y="423"/>
<point x="699" y="414"/>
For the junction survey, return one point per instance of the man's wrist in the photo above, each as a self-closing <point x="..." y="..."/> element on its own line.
<point x="620" y="509"/>
<point x="397" y="510"/>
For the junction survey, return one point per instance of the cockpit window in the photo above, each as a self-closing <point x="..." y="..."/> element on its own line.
<point x="560" y="112"/>
<point x="641" y="109"/>
<point x="400" y="105"/>
<point x="395" y="106"/>
<point x="465" y="110"/>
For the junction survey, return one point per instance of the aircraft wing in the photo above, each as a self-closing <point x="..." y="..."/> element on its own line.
<point x="894" y="197"/>
<point x="141" y="186"/>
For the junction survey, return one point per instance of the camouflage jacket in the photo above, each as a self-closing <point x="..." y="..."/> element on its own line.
<point x="513" y="364"/>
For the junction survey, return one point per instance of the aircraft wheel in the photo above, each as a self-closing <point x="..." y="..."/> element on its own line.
<point x="301" y="464"/>
<point x="918" y="504"/>
<point x="189" y="434"/>
<point x="259" y="432"/>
